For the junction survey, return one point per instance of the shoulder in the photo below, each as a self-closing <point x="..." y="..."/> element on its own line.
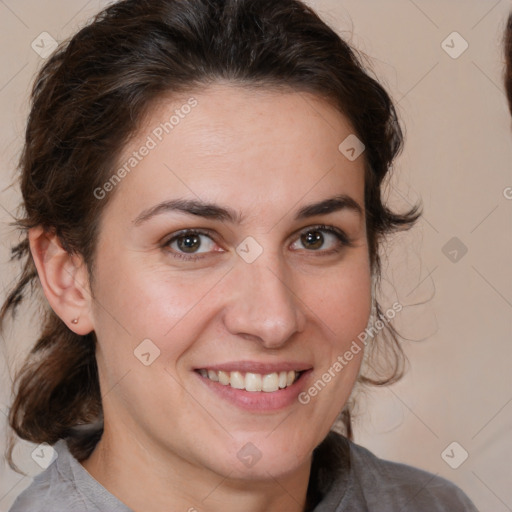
<point x="65" y="486"/>
<point x="40" y="497"/>
<point x="389" y="486"/>
<point x="53" y="490"/>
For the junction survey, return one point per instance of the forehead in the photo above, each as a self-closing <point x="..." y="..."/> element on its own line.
<point x="245" y="145"/>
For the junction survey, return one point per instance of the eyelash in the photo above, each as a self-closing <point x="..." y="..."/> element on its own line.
<point x="344" y="240"/>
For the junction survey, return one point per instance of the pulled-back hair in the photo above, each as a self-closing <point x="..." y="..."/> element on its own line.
<point x="89" y="99"/>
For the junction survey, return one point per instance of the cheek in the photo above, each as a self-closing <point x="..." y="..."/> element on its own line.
<point x="342" y="303"/>
<point x="170" y="307"/>
<point x="146" y="303"/>
<point x="342" y="299"/>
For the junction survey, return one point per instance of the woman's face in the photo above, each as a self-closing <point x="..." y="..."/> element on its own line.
<point x="257" y="289"/>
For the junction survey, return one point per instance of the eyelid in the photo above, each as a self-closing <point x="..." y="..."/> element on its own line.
<point x="343" y="238"/>
<point x="167" y="240"/>
<point x="189" y="231"/>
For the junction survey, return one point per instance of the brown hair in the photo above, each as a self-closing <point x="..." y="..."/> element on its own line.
<point x="89" y="99"/>
<point x="508" y="61"/>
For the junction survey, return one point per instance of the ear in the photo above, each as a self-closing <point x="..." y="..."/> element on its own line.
<point x="64" y="280"/>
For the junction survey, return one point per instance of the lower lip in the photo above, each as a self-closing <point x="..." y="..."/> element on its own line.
<point x="259" y="401"/>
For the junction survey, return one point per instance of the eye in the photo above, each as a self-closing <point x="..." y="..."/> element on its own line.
<point x="186" y="244"/>
<point x="193" y="244"/>
<point x="316" y="237"/>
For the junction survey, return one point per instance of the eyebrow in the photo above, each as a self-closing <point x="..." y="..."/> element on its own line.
<point x="225" y="214"/>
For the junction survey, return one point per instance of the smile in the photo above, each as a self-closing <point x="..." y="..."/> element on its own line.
<point x="249" y="381"/>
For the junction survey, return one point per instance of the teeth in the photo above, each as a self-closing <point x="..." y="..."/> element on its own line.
<point x="236" y="380"/>
<point x="224" y="378"/>
<point x="270" y="382"/>
<point x="283" y="379"/>
<point x="252" y="381"/>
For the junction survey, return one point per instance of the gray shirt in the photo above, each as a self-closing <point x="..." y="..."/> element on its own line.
<point x="345" y="477"/>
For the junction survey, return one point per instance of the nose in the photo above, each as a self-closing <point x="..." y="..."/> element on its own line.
<point x="263" y="304"/>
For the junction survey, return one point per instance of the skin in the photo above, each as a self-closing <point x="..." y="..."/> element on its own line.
<point x="168" y="440"/>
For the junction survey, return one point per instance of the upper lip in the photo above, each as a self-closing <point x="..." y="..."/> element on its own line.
<point x="257" y="367"/>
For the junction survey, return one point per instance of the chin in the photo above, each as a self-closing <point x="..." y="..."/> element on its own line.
<point x="253" y="457"/>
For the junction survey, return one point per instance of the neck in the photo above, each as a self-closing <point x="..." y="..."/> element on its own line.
<point x="138" y="474"/>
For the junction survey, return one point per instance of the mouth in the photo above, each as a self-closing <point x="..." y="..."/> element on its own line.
<point x="256" y="386"/>
<point x="253" y="382"/>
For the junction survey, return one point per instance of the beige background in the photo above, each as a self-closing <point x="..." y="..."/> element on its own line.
<point x="458" y="159"/>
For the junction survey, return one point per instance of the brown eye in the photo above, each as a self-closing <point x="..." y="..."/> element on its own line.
<point x="190" y="242"/>
<point x="323" y="239"/>
<point x="312" y="239"/>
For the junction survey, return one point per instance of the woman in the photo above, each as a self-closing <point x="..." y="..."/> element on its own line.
<point x="202" y="186"/>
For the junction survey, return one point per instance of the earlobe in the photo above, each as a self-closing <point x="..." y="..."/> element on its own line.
<point x="64" y="280"/>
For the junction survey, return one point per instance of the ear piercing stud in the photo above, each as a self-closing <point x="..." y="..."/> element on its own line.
<point x="74" y="321"/>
